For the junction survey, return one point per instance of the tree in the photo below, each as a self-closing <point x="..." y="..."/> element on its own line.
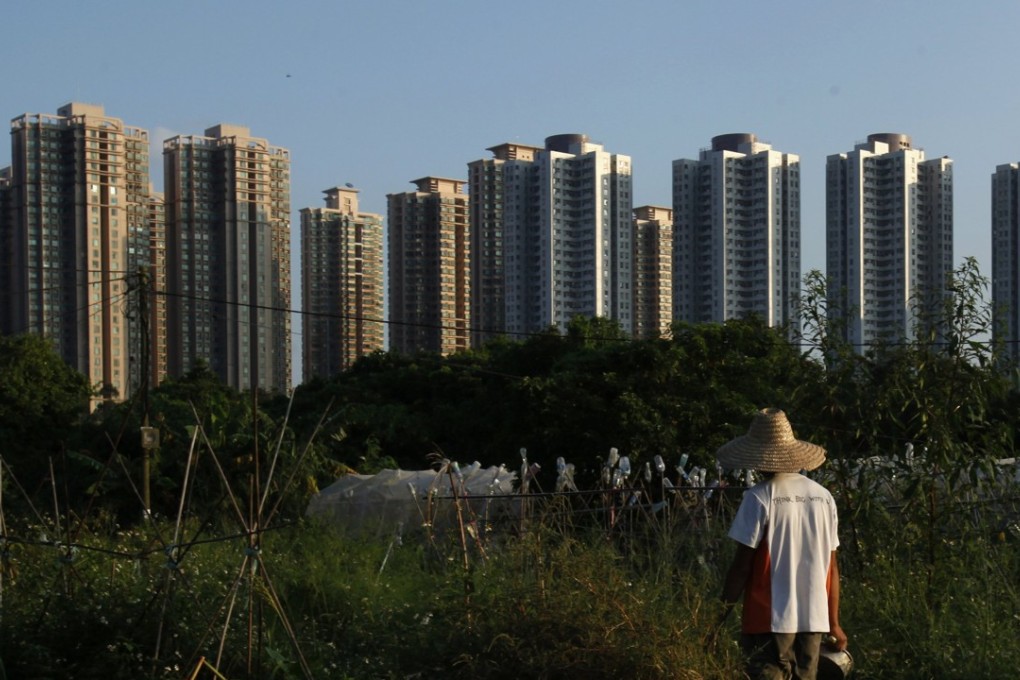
<point x="942" y="393"/>
<point x="41" y="401"/>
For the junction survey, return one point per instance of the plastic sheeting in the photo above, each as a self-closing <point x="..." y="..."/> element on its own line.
<point x="400" y="500"/>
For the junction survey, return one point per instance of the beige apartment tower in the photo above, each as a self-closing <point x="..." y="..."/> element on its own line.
<point x="341" y="284"/>
<point x="75" y="239"/>
<point x="653" y="271"/>
<point x="429" y="263"/>
<point x="228" y="257"/>
<point x="488" y="265"/>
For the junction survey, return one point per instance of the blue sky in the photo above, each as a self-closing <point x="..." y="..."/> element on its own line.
<point x="380" y="92"/>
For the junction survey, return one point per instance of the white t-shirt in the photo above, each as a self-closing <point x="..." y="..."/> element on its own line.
<point x="791" y="522"/>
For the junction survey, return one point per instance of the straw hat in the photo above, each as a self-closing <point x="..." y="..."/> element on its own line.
<point x="769" y="446"/>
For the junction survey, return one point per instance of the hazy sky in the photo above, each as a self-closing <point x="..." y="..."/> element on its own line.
<point x="379" y="92"/>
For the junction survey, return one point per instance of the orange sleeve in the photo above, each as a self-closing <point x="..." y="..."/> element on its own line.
<point x="757" y="614"/>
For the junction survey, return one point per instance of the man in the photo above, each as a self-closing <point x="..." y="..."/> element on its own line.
<point x="785" y="563"/>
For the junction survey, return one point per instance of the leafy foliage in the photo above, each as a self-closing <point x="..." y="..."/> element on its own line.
<point x="913" y="431"/>
<point x="42" y="400"/>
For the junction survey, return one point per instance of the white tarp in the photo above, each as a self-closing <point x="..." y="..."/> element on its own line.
<point x="395" y="500"/>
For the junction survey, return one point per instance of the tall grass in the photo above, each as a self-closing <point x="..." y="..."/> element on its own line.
<point x="569" y="595"/>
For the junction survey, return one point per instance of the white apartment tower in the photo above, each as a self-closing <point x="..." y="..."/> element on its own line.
<point x="228" y="257"/>
<point x="341" y="284"/>
<point x="567" y="236"/>
<point x="157" y="283"/>
<point x="889" y="238"/>
<point x="736" y="216"/>
<point x="75" y="239"/>
<point x="1006" y="258"/>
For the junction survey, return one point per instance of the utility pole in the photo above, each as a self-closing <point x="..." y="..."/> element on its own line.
<point x="150" y="435"/>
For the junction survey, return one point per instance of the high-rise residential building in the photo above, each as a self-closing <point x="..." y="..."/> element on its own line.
<point x="567" y="236"/>
<point x="488" y="291"/>
<point x="6" y="245"/>
<point x="75" y="239"/>
<point x="341" y="284"/>
<point x="653" y="271"/>
<point x="889" y="238"/>
<point x="5" y="195"/>
<point x="228" y="257"/>
<point x="736" y="216"/>
<point x="157" y="283"/>
<point x="429" y="264"/>
<point x="1006" y="258"/>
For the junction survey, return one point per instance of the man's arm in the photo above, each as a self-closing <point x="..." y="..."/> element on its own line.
<point x="736" y="577"/>
<point x="733" y="586"/>
<point x="834" y="628"/>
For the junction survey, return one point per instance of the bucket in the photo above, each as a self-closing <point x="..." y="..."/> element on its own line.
<point x="834" y="664"/>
